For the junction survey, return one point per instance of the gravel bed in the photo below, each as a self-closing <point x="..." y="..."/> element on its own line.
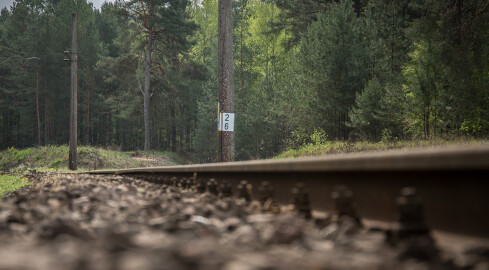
<point x="64" y="221"/>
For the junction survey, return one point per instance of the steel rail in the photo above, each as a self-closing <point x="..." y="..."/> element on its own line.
<point x="452" y="182"/>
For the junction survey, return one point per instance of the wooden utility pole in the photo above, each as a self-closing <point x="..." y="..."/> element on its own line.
<point x="37" y="106"/>
<point x="74" y="93"/>
<point x="225" y="70"/>
<point x="38" y="137"/>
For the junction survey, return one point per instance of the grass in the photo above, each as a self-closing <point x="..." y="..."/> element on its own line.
<point x="10" y="183"/>
<point x="16" y="162"/>
<point x="55" y="158"/>
<point x="337" y="147"/>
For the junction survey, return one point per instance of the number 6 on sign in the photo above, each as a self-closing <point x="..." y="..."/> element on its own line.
<point x="226" y="122"/>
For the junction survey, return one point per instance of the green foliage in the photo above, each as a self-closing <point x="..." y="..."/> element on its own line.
<point x="109" y="73"/>
<point x="206" y="133"/>
<point x="298" y="15"/>
<point x="446" y="81"/>
<point x="300" y="138"/>
<point x="10" y="183"/>
<point x="476" y="125"/>
<point x="304" y="71"/>
<point x="367" y="116"/>
<point x="332" y="56"/>
<point x="380" y="107"/>
<point x="377" y="109"/>
<point x="387" y="136"/>
<point x="204" y="52"/>
<point x="21" y="155"/>
<point x="55" y="164"/>
<point x="387" y="143"/>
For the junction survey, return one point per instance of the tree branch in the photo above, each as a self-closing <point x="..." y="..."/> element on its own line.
<point x="140" y="87"/>
<point x="477" y="13"/>
<point x="160" y="67"/>
<point x="178" y="61"/>
<point x="134" y="58"/>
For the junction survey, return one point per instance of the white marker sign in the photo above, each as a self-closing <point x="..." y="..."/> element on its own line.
<point x="226" y="122"/>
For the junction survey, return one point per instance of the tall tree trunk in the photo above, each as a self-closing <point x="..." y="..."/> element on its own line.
<point x="109" y="126"/>
<point x="38" y="142"/>
<point x="205" y="38"/>
<point x="225" y="71"/>
<point x="173" y="141"/>
<point x="88" y="108"/>
<point x="46" y="118"/>
<point x="147" y="82"/>
<point x="241" y="59"/>
<point x="2" y="126"/>
<point x="103" y="128"/>
<point x="18" y="129"/>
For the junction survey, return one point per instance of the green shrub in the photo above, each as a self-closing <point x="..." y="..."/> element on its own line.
<point x="21" y="155"/>
<point x="300" y="138"/>
<point x="387" y="136"/>
<point x="318" y="137"/>
<point x="10" y="183"/>
<point x="55" y="163"/>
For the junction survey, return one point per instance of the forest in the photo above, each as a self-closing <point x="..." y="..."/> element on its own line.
<point x="348" y="70"/>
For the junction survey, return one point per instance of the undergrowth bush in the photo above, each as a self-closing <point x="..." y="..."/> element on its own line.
<point x="10" y="183"/>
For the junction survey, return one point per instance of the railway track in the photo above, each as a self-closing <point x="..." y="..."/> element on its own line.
<point x="452" y="183"/>
<point x="421" y="209"/>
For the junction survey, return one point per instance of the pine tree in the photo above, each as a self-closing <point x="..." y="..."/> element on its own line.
<point x="332" y="55"/>
<point x="446" y="76"/>
<point x="386" y="23"/>
<point x="159" y="19"/>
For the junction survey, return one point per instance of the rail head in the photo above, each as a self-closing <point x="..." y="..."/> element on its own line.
<point x="474" y="157"/>
<point x="451" y="181"/>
